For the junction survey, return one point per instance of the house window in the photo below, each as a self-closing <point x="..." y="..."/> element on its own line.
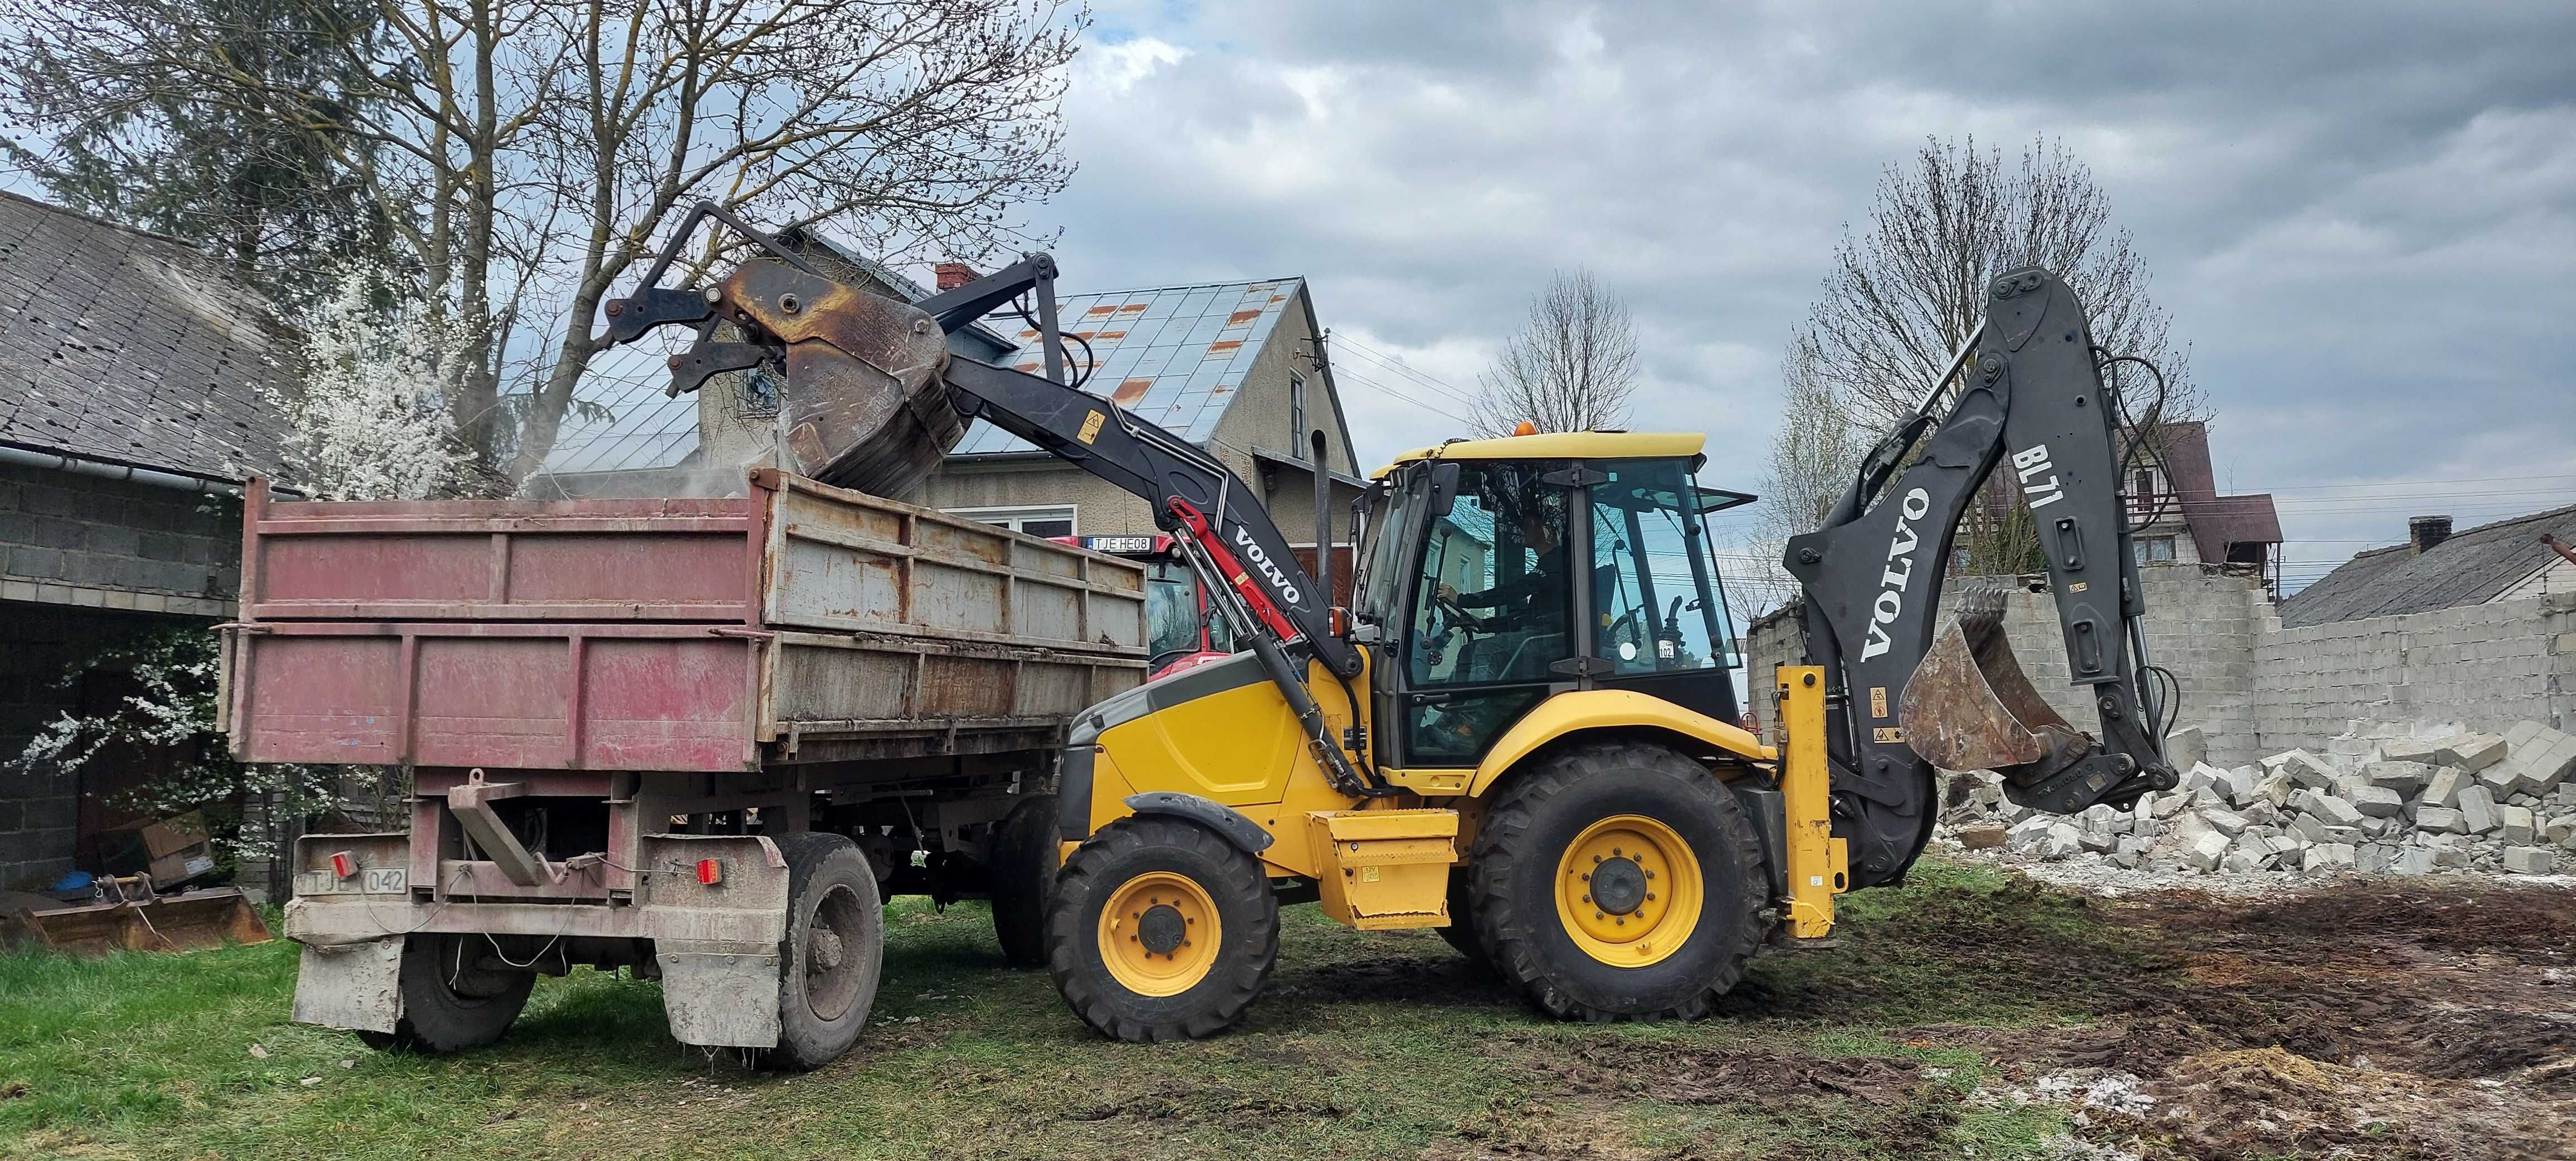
<point x="1049" y="520"/>
<point x="1297" y="415"/>
<point x="2155" y="549"/>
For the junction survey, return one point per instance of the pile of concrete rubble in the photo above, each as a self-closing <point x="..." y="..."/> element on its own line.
<point x="2474" y="802"/>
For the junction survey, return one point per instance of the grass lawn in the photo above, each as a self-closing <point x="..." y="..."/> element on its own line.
<point x="1381" y="1045"/>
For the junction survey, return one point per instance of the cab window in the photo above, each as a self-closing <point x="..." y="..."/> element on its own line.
<point x="1656" y="603"/>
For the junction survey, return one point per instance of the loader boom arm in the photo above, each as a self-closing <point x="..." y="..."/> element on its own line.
<point x="2029" y="387"/>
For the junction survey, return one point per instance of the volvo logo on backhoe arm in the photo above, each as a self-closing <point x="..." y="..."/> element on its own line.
<point x="1261" y="560"/>
<point x="1890" y="605"/>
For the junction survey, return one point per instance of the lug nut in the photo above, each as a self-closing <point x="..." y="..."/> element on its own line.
<point x="715" y="294"/>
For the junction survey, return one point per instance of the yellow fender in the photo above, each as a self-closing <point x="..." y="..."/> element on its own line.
<point x="1598" y="709"/>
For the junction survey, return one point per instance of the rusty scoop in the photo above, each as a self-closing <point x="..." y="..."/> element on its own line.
<point x="1970" y="706"/>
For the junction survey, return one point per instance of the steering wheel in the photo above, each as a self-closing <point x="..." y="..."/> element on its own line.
<point x="1453" y="613"/>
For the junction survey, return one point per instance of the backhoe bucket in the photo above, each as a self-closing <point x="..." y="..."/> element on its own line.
<point x="193" y="921"/>
<point x="1970" y="707"/>
<point x="864" y="406"/>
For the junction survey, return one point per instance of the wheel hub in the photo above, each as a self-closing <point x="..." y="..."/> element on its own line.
<point x="1619" y="886"/>
<point x="825" y="951"/>
<point x="1161" y="929"/>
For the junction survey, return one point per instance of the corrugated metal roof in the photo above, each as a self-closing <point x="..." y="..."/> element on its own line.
<point x="2470" y="568"/>
<point x="134" y="348"/>
<point x="1175" y="356"/>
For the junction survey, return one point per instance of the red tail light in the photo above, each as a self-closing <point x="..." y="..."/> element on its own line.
<point x="710" y="871"/>
<point x="343" y="865"/>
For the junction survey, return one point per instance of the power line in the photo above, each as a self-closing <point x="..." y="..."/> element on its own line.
<point x="1391" y="363"/>
<point x="1434" y="409"/>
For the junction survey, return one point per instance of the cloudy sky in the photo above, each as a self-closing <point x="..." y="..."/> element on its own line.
<point x="2362" y="218"/>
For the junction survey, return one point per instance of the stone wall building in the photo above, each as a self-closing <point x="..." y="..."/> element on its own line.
<point x="132" y="378"/>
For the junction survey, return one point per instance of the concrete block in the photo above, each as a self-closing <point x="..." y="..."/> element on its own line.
<point x="2440" y="820"/>
<point x="2186" y="747"/>
<point x="2170" y="804"/>
<point x="2530" y="860"/>
<point x="2201" y="776"/>
<point x="2561" y="830"/>
<point x="2205" y="850"/>
<point x="2515" y="826"/>
<point x="2478" y="809"/>
<point x="1982" y="837"/>
<point x="2061" y="841"/>
<point x="2407" y="778"/>
<point x="2414" y="861"/>
<point x="2376" y="802"/>
<point x="2334" y="811"/>
<point x="2226" y="822"/>
<point x="2274" y="788"/>
<point x="2443" y="788"/>
<point x="2410" y="750"/>
<point x="2521" y="734"/>
<point x="2472" y="752"/>
<point x="2327" y="856"/>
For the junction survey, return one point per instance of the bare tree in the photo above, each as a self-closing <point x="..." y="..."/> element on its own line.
<point x="529" y="156"/>
<point x="1907" y="289"/>
<point x="1571" y="367"/>
<point x="1813" y="454"/>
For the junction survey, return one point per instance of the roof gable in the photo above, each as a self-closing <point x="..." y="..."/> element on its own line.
<point x="1173" y="356"/>
<point x="133" y="348"/>
<point x="2469" y="568"/>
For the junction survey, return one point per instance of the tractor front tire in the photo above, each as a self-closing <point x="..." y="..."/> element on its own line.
<point x="1025" y="856"/>
<point x="1160" y="929"/>
<point x="1618" y="881"/>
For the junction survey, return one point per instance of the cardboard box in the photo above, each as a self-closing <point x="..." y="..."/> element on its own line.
<point x="173" y="835"/>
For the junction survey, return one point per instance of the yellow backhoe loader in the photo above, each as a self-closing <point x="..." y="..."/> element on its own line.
<point x="1523" y="731"/>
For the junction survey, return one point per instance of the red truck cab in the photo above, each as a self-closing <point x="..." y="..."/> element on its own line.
<point x="1182" y="629"/>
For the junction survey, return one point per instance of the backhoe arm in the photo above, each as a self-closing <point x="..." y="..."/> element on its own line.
<point x="2032" y="390"/>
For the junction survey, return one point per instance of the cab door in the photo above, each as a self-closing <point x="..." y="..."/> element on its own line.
<point x="1484" y="625"/>
<point x="1658" y="620"/>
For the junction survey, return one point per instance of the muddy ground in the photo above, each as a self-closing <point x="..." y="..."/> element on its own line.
<point x="2372" y="1019"/>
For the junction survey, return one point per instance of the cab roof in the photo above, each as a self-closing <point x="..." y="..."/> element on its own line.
<point x="1567" y="445"/>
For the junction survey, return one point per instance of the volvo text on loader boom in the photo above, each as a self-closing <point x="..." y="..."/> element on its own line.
<point x="1523" y="732"/>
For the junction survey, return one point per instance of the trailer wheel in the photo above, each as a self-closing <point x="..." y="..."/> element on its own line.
<point x="1618" y="881"/>
<point x="450" y="1005"/>
<point x="835" y="947"/>
<point x="1160" y="929"/>
<point x="1025" y="855"/>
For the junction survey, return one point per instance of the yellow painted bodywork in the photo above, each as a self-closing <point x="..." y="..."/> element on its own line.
<point x="1819" y="865"/>
<point x="1568" y="445"/>
<point x="1240" y="748"/>
<point x="1384" y="868"/>
<point x="1590" y="709"/>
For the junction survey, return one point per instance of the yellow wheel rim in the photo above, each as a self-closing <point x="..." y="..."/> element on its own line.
<point x="1628" y="891"/>
<point x="1159" y="934"/>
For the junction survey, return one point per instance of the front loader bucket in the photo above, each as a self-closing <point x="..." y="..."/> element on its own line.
<point x="193" y="921"/>
<point x="1970" y="707"/>
<point x="864" y="405"/>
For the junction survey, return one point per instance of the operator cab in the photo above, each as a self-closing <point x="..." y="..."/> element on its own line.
<point x="1498" y="572"/>
<point x="1183" y="628"/>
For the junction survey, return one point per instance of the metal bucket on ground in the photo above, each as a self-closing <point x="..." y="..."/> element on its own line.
<point x="132" y="918"/>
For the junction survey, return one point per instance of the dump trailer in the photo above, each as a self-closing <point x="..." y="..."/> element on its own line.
<point x="698" y="739"/>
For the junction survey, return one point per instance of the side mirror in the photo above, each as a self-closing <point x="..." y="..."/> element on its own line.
<point x="1444" y="489"/>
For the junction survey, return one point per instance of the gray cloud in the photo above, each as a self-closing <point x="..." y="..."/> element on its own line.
<point x="2362" y="217"/>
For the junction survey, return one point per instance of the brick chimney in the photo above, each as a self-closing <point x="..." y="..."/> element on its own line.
<point x="2423" y="532"/>
<point x="955" y="274"/>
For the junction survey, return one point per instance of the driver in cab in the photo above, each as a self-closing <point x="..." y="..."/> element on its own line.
<point x="1533" y="601"/>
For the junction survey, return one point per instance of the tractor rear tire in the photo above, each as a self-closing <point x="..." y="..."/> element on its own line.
<point x="1160" y="929"/>
<point x="1025" y="856"/>
<point x="449" y="1005"/>
<point x="1674" y="860"/>
<point x="831" y="960"/>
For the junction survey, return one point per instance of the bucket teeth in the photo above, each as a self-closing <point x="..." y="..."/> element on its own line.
<point x="1969" y="706"/>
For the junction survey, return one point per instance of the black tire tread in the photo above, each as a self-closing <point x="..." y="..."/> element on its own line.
<point x="1233" y="983"/>
<point x="1025" y="842"/>
<point x="806" y="853"/>
<point x="1511" y="946"/>
<point x="429" y="1025"/>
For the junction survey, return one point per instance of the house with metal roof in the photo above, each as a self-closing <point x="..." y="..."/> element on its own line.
<point x="2436" y="568"/>
<point x="135" y="381"/>
<point x="1238" y="368"/>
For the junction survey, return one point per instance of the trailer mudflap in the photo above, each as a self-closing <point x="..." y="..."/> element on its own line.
<point x="719" y="999"/>
<point x="356" y="986"/>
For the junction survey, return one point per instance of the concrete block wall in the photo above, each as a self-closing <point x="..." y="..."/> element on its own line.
<point x="2483" y="667"/>
<point x="78" y="539"/>
<point x="2202" y="623"/>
